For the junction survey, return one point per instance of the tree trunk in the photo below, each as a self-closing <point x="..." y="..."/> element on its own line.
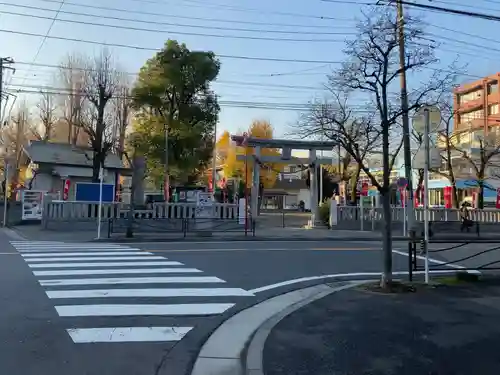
<point x="97" y="162"/>
<point x="386" y="278"/>
<point x="354" y="185"/>
<point x="386" y="240"/>
<point x="480" y="194"/>
<point x="454" y="193"/>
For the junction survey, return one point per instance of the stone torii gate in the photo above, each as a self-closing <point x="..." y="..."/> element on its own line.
<point x="286" y="147"/>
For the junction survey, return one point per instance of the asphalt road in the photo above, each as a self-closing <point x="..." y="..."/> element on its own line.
<point x="142" y="309"/>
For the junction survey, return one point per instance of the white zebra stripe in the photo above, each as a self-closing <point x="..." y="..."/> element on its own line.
<point x="127" y="334"/>
<point x="133" y="280"/>
<point x="140" y="310"/>
<point x="133" y="293"/>
<point x="115" y="271"/>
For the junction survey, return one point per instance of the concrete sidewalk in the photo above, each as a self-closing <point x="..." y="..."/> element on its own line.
<point x="435" y="331"/>
<point x="36" y="233"/>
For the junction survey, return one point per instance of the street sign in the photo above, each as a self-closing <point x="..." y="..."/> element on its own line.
<point x="418" y="120"/>
<point x="434" y="159"/>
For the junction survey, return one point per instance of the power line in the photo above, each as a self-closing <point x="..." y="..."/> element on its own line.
<point x="204" y="6"/>
<point x="42" y="43"/>
<point x="240" y="83"/>
<point x="223" y="36"/>
<point x="447" y="10"/>
<point x="152" y="22"/>
<point x="140" y="48"/>
<point x="193" y="18"/>
<point x="465" y="5"/>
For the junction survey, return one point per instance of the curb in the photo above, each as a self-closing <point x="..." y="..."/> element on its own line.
<point x="222" y="352"/>
<point x="13" y="234"/>
<point x="255" y="351"/>
<point x="241" y="239"/>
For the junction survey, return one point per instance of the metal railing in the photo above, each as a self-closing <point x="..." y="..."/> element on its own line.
<point x="181" y="227"/>
<point x="459" y="254"/>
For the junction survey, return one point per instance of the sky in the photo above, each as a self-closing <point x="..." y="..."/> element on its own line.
<point x="245" y="34"/>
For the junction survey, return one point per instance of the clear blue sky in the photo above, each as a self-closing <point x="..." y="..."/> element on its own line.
<point x="237" y="76"/>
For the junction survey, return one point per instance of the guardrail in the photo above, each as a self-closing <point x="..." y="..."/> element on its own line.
<point x="180" y="226"/>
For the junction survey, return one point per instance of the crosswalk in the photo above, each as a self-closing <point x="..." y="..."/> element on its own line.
<point x="90" y="282"/>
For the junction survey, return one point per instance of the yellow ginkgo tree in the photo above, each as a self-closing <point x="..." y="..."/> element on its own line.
<point x="234" y="168"/>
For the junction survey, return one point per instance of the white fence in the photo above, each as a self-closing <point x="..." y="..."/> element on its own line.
<point x="89" y="211"/>
<point x="487" y="215"/>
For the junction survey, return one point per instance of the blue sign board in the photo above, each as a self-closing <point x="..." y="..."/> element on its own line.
<point x="89" y="192"/>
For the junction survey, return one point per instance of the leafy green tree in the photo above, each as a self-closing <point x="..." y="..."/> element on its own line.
<point x="173" y="93"/>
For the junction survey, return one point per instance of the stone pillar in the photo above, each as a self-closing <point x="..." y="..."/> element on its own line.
<point x="255" y="183"/>
<point x="313" y="187"/>
<point x="137" y="188"/>
<point x="334" y="220"/>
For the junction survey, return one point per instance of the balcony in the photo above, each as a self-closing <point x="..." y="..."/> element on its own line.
<point x="470" y="105"/>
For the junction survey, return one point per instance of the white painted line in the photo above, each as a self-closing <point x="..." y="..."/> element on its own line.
<point x="64" y="250"/>
<point x="39" y="255"/>
<point x="135" y="310"/>
<point x="336" y="276"/>
<point x="115" y="271"/>
<point x="73" y="248"/>
<point x="68" y="245"/>
<point x="104" y="264"/>
<point x="133" y="280"/>
<point x="127" y="334"/>
<point x="119" y="293"/>
<point x="156" y="257"/>
<point x="58" y="243"/>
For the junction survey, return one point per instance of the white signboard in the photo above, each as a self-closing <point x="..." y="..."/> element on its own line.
<point x="204" y="205"/>
<point x="32" y="201"/>
<point x="435" y="159"/>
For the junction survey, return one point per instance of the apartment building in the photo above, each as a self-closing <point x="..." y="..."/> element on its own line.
<point x="477" y="107"/>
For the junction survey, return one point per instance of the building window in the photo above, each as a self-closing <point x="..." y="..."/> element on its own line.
<point x="493" y="109"/>
<point x="464" y="98"/>
<point x="293" y="169"/>
<point x="473" y="115"/>
<point x="493" y="87"/>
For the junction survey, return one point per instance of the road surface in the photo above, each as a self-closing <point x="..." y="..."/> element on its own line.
<point x="140" y="309"/>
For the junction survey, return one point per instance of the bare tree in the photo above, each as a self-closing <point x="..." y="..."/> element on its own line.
<point x="71" y="78"/>
<point x="371" y="73"/>
<point x="101" y="85"/>
<point x="47" y="113"/>
<point x="121" y="114"/>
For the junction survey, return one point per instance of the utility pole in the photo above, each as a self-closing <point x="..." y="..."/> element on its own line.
<point x="4" y="64"/>
<point x="404" y="109"/>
